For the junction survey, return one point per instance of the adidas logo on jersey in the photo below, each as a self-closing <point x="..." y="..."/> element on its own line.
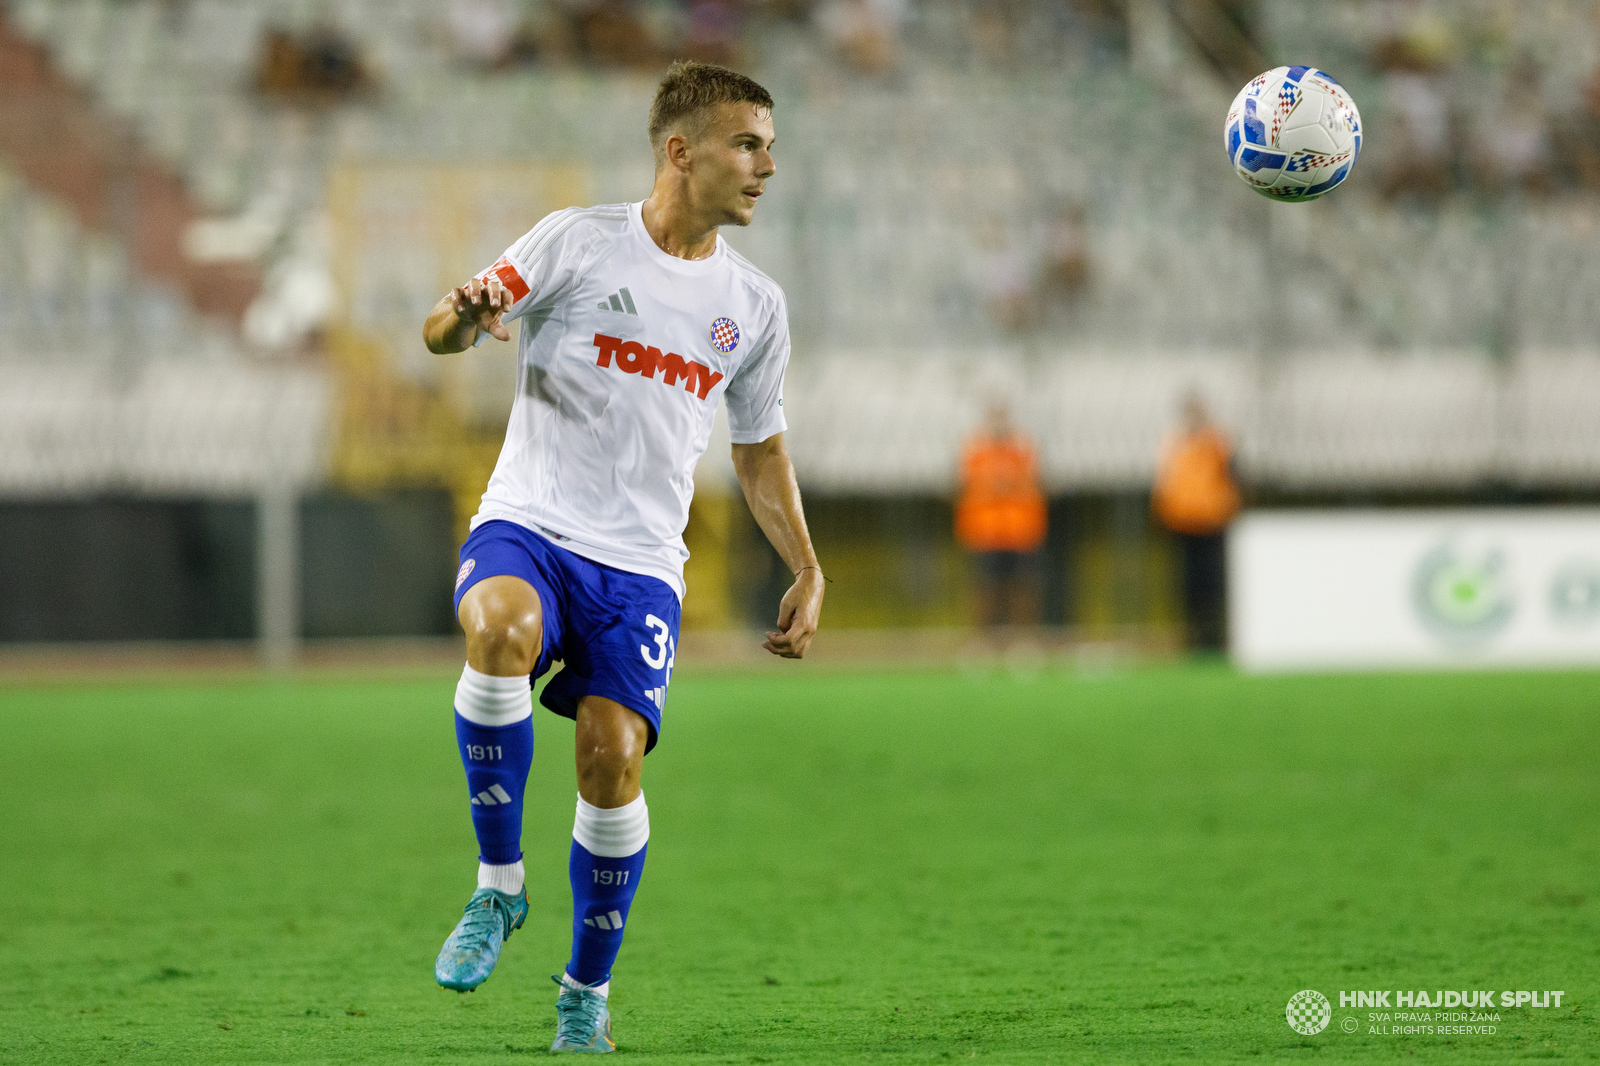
<point x="620" y="301"/>
<point x="492" y="796"/>
<point x="635" y="358"/>
<point x="605" y="921"/>
<point x="657" y="696"/>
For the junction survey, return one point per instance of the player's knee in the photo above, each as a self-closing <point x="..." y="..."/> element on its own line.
<point x="610" y="750"/>
<point x="608" y="778"/>
<point x="505" y="644"/>
<point x="610" y="758"/>
<point x="504" y="633"/>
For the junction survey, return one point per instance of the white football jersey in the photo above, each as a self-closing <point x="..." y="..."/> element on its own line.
<point x="624" y="354"/>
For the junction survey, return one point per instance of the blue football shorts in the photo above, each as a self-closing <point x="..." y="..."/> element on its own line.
<point x="614" y="632"/>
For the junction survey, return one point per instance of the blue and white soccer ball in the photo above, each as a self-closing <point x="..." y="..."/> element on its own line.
<point x="1293" y="133"/>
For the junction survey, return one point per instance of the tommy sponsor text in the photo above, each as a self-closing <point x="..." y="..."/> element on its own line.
<point x="631" y="357"/>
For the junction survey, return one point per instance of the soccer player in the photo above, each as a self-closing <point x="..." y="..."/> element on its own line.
<point x="637" y="320"/>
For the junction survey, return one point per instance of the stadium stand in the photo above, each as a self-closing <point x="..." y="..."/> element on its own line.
<point x="913" y="186"/>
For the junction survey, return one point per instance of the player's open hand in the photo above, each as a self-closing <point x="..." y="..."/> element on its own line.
<point x="799" y="612"/>
<point x="483" y="303"/>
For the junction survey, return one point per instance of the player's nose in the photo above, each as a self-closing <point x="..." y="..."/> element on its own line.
<point x="766" y="166"/>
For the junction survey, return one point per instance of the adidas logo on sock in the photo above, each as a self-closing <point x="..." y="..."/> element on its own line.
<point x="657" y="696"/>
<point x="491" y="796"/>
<point x="602" y="921"/>
<point x="619" y="301"/>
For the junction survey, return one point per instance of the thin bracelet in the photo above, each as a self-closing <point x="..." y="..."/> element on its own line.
<point x="825" y="578"/>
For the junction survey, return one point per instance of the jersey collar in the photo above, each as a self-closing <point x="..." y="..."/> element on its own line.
<point x="672" y="262"/>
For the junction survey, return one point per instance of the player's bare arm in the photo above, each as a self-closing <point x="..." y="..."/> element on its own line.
<point x="455" y="321"/>
<point x="767" y="477"/>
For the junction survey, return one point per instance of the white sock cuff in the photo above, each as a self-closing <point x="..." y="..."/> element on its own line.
<point x="484" y="699"/>
<point x="507" y="878"/>
<point x="602" y="989"/>
<point x="615" y="832"/>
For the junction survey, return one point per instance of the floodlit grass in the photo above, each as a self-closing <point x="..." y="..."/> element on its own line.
<point x="844" y="867"/>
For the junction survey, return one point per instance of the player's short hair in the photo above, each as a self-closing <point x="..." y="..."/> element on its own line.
<point x="686" y="95"/>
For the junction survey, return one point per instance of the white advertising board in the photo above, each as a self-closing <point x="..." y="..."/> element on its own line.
<point x="1431" y="589"/>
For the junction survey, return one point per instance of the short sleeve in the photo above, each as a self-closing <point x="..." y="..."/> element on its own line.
<point x="755" y="395"/>
<point x="541" y="266"/>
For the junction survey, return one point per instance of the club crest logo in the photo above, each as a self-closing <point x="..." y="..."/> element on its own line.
<point x="1462" y="593"/>
<point x="1308" y="1012"/>
<point x="725" y="335"/>
<point x="466" y="568"/>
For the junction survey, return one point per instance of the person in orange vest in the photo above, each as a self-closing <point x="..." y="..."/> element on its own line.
<point x="1196" y="496"/>
<point x="1000" y="519"/>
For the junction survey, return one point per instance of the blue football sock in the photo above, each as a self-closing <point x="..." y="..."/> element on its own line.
<point x="494" y="729"/>
<point x="608" y="849"/>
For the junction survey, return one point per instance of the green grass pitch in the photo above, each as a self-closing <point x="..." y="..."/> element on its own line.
<point x="889" y="867"/>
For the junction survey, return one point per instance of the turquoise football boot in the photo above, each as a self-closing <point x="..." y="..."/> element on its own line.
<point x="473" y="947"/>
<point x="583" y="1021"/>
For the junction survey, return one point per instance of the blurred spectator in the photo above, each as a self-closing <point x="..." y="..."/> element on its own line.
<point x="320" y="67"/>
<point x="1002" y="276"/>
<point x="614" y="35"/>
<point x="1065" y="274"/>
<point x="866" y="32"/>
<point x="279" y="70"/>
<point x="483" y="31"/>
<point x="1422" y="155"/>
<point x="1511" y="144"/>
<point x="1105" y="27"/>
<point x="298" y="296"/>
<point x="330" y="62"/>
<point x="713" y="29"/>
<point x="1196" y="496"/>
<point x="1000" y="519"/>
<point x="992" y="29"/>
<point x="1580" y="138"/>
<point x="550" y="32"/>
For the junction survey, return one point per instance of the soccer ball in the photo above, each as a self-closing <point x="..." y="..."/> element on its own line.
<point x="1293" y="133"/>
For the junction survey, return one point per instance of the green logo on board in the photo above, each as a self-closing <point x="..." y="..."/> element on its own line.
<point x="1461" y="596"/>
<point x="1575" y="594"/>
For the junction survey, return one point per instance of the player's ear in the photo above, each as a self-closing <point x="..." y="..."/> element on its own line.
<point x="677" y="151"/>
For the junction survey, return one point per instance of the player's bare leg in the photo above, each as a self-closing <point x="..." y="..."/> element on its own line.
<point x="504" y="624"/>
<point x="503" y="621"/>
<point x="611" y="740"/>
<point x="609" y="838"/>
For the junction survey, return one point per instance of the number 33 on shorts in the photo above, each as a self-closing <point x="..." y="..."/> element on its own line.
<point x="662" y="656"/>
